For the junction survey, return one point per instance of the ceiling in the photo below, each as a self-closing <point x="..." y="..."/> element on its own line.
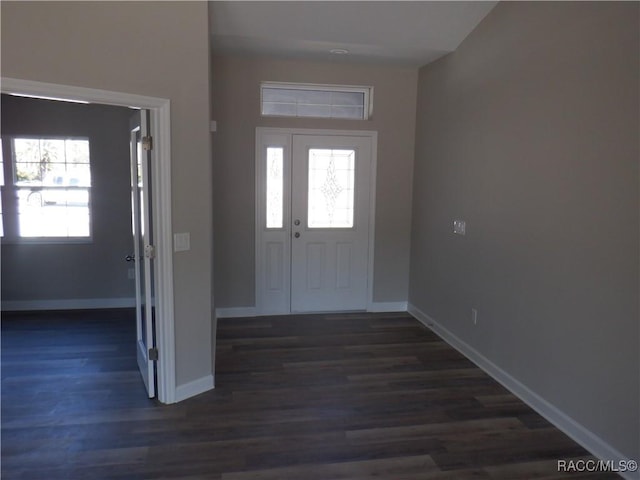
<point x="411" y="33"/>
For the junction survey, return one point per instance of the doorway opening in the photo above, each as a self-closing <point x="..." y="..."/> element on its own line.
<point x="159" y="116"/>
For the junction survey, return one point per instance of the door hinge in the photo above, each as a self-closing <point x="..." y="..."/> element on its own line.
<point x="150" y="251"/>
<point x="153" y="354"/>
<point x="147" y="143"/>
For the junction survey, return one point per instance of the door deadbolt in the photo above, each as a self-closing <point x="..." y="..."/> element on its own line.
<point x="296" y="222"/>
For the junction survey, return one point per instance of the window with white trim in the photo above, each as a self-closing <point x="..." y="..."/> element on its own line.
<point x="316" y="101"/>
<point x="47" y="188"/>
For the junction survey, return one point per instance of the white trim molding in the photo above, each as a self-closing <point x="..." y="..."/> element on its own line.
<point x="387" y="307"/>
<point x="74" y="94"/>
<point x="239" y="312"/>
<point x="67" y="304"/>
<point x="236" y="312"/>
<point x="193" y="388"/>
<point x="580" y="434"/>
<point x="160" y="112"/>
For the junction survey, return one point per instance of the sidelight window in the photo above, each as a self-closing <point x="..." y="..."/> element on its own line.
<point x="275" y="187"/>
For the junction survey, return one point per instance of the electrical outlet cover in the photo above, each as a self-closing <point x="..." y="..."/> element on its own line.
<point x="459" y="227"/>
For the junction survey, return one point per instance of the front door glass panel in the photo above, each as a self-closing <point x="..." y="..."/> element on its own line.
<point x="331" y="188"/>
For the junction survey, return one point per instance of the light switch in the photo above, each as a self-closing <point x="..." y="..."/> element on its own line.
<point x="459" y="227"/>
<point x="181" y="242"/>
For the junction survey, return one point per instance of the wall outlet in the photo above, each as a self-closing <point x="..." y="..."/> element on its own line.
<point x="131" y="273"/>
<point x="474" y="316"/>
<point x="459" y="227"/>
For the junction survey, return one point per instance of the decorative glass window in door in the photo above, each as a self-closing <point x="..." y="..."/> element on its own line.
<point x="331" y="188"/>
<point x="275" y="187"/>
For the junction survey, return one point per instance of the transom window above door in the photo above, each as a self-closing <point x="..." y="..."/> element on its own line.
<point x="316" y="101"/>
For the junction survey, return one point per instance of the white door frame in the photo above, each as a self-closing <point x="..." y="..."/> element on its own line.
<point x="261" y="132"/>
<point x="160" y="112"/>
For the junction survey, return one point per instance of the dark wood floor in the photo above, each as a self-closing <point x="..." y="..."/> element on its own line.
<point x="322" y="397"/>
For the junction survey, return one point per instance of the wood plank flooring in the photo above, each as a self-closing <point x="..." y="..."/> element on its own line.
<point x="316" y="397"/>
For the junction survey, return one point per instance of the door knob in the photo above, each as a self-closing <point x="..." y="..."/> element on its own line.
<point x="130" y="258"/>
<point x="297" y="234"/>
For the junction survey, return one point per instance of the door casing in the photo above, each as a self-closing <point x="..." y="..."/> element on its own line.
<point x="263" y="136"/>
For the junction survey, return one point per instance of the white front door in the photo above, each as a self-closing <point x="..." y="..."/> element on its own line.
<point x="143" y="253"/>
<point x="330" y="213"/>
<point x="313" y="224"/>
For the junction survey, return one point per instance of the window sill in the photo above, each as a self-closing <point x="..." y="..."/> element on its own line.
<point x="47" y="241"/>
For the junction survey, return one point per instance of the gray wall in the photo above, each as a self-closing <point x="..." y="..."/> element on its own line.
<point x="529" y="132"/>
<point x="92" y="270"/>
<point x="236" y="108"/>
<point x="159" y="49"/>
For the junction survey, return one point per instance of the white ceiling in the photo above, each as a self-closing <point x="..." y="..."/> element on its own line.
<point x="411" y="33"/>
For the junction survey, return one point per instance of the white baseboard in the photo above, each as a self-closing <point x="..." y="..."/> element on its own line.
<point x="67" y="304"/>
<point x="583" y="436"/>
<point x="387" y="307"/>
<point x="193" y="388"/>
<point x="235" y="312"/>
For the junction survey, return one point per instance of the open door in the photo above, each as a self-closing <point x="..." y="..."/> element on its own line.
<point x="143" y="249"/>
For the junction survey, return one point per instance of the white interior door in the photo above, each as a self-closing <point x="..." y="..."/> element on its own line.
<point x="143" y="251"/>
<point x="314" y="196"/>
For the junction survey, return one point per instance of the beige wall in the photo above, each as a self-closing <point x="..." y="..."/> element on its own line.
<point x="236" y="108"/>
<point x="157" y="49"/>
<point x="529" y="132"/>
